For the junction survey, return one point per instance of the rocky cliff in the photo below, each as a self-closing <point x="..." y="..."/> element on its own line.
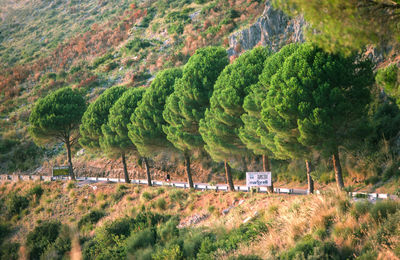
<point x="273" y="28"/>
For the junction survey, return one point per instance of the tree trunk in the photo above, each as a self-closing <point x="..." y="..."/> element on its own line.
<point x="188" y="173"/>
<point x="146" y="164"/>
<point x="310" y="180"/>
<point x="244" y="163"/>
<point x="338" y="170"/>
<point x="267" y="168"/>
<point x="229" y="176"/>
<point x="126" y="175"/>
<point x="71" y="169"/>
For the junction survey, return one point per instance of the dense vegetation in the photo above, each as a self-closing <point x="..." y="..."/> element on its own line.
<point x="119" y="222"/>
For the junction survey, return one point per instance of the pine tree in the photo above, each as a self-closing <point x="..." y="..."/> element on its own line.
<point x="254" y="133"/>
<point x="221" y="124"/>
<point x="115" y="141"/>
<point x="185" y="107"/>
<point x="145" y="129"/>
<point x="315" y="101"/>
<point x="96" y="116"/>
<point x="57" y="117"/>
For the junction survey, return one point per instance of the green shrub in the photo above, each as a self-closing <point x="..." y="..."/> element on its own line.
<point x="173" y="252"/>
<point x="36" y="191"/>
<point x="382" y="209"/>
<point x="388" y="230"/>
<point x="343" y="206"/>
<point x="142" y="254"/>
<point x="245" y="257"/>
<point x="141" y="239"/>
<point x="4" y="231"/>
<point x="16" y="203"/>
<point x="178" y="195"/>
<point x="136" y="45"/>
<point x="91" y="218"/>
<point x="161" y="204"/>
<point x="147" y="196"/>
<point x="169" y="230"/>
<point x="60" y="247"/>
<point x="9" y="251"/>
<point x="41" y="237"/>
<point x="70" y="185"/>
<point x="360" y="208"/>
<point x="118" y="195"/>
<point x="309" y="248"/>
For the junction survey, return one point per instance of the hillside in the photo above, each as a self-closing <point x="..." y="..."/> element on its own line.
<point x="92" y="45"/>
<point x="106" y="220"/>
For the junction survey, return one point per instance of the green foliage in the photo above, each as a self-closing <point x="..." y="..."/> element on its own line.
<point x="101" y="60"/>
<point x="347" y="25"/>
<point x="382" y="209"/>
<point x="147" y="196"/>
<point x="43" y="236"/>
<point x="161" y="204"/>
<point x="115" y="140"/>
<point x="173" y="252"/>
<point x="310" y="107"/>
<point x="57" y="116"/>
<point x="136" y="45"/>
<point x="178" y="195"/>
<point x="142" y="239"/>
<point x="36" y="191"/>
<point x="360" y="208"/>
<point x="91" y="219"/>
<point x="185" y="107"/>
<point x="309" y="248"/>
<point x="97" y="115"/>
<point x="388" y="78"/>
<point x="229" y="242"/>
<point x="16" y="203"/>
<point x="388" y="230"/>
<point x="222" y="121"/>
<point x="115" y="239"/>
<point x="147" y="121"/>
<point x="253" y="132"/>
<point x="9" y="251"/>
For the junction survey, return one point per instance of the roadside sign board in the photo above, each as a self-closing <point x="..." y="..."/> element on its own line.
<point x="257" y="179"/>
<point x="60" y="171"/>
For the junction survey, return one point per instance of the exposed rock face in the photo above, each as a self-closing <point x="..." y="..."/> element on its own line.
<point x="273" y="28"/>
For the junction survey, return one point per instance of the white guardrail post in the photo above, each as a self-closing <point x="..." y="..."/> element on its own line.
<point x="18" y="177"/>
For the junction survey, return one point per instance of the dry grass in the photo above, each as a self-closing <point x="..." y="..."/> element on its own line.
<point x="326" y="217"/>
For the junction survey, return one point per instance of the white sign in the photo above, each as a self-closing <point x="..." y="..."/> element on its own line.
<point x="258" y="179"/>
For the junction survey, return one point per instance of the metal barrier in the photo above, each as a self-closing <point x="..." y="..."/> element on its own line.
<point x="201" y="186"/>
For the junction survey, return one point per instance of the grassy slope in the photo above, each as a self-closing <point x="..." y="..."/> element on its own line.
<point x="351" y="229"/>
<point x="92" y="45"/>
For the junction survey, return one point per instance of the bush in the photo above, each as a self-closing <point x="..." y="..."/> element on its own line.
<point x="382" y="209"/>
<point x="9" y="251"/>
<point x="389" y="231"/>
<point x="36" y="191"/>
<point x="161" y="204"/>
<point x="177" y="195"/>
<point x="173" y="252"/>
<point x="169" y="230"/>
<point x="16" y="203"/>
<point x="142" y="254"/>
<point x="245" y="257"/>
<point x="360" y="208"/>
<point x="4" y="231"/>
<point x="141" y="239"/>
<point x="91" y="218"/>
<point x="147" y="196"/>
<point x="309" y="248"/>
<point x="41" y="237"/>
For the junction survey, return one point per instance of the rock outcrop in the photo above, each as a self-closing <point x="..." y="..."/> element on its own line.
<point x="273" y="28"/>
